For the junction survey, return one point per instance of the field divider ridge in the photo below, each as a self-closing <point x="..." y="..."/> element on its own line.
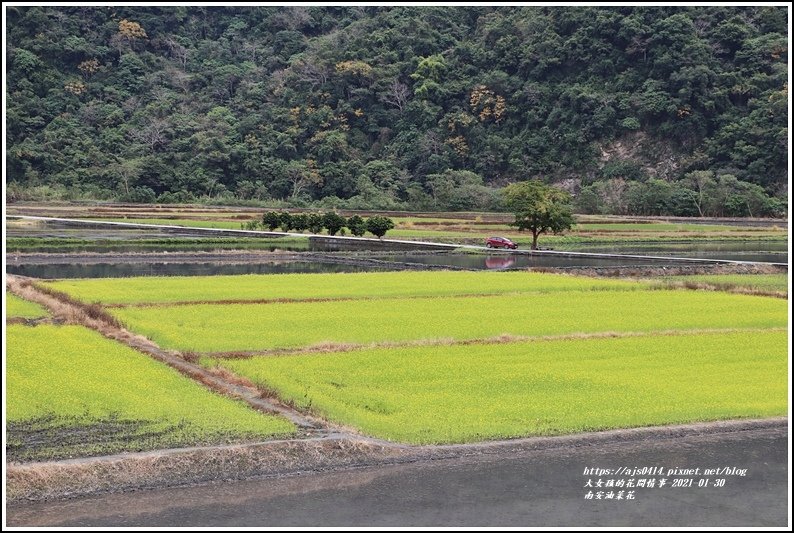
<point x="243" y="301"/>
<point x="340" y="347"/>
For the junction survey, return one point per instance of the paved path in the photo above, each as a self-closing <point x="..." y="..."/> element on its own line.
<point x="520" y="488"/>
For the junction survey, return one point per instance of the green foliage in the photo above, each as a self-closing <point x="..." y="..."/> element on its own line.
<point x="315" y="222"/>
<point x="588" y="202"/>
<point x="300" y="222"/>
<point x="271" y="220"/>
<point x="422" y="107"/>
<point x="139" y="195"/>
<point x="285" y="221"/>
<point x="539" y="208"/>
<point x="333" y="222"/>
<point x="27" y="62"/>
<point x="356" y="225"/>
<point x="428" y="75"/>
<point x="460" y="190"/>
<point x="179" y="197"/>
<point x="699" y="193"/>
<point x="379" y="225"/>
<point x="445" y="394"/>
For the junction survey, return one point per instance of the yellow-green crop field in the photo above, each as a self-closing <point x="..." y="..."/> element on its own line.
<point x="16" y="307"/>
<point x="470" y="393"/>
<point x="442" y="357"/>
<point x="238" y="327"/>
<point x="71" y="391"/>
<point x="323" y="286"/>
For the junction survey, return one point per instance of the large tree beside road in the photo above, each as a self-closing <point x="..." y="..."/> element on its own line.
<point x="539" y="208"/>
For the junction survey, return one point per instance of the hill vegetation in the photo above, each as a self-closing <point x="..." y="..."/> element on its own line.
<point x="639" y="110"/>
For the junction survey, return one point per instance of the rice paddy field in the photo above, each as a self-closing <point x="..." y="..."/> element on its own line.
<point x="447" y="357"/>
<point x="469" y="393"/>
<point x="71" y="392"/>
<point x="16" y="307"/>
<point x="322" y="286"/>
<point x="583" y="233"/>
<point x="241" y="327"/>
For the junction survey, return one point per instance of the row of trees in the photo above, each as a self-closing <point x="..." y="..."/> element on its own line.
<point x="331" y="221"/>
<point x="538" y="208"/>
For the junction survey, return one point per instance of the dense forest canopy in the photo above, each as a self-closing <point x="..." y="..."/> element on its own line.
<point x="653" y="110"/>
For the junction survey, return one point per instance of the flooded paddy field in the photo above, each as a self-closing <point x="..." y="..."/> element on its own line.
<point x="124" y="270"/>
<point x="116" y="264"/>
<point x="765" y="251"/>
<point x="57" y="249"/>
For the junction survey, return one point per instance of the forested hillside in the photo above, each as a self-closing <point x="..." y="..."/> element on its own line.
<point x="647" y="110"/>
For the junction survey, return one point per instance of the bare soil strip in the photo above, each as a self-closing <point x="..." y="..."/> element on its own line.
<point x="70" y="311"/>
<point x="189" y="466"/>
<point x="339" y="347"/>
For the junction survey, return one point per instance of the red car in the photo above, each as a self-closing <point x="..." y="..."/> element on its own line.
<point x="500" y="242"/>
